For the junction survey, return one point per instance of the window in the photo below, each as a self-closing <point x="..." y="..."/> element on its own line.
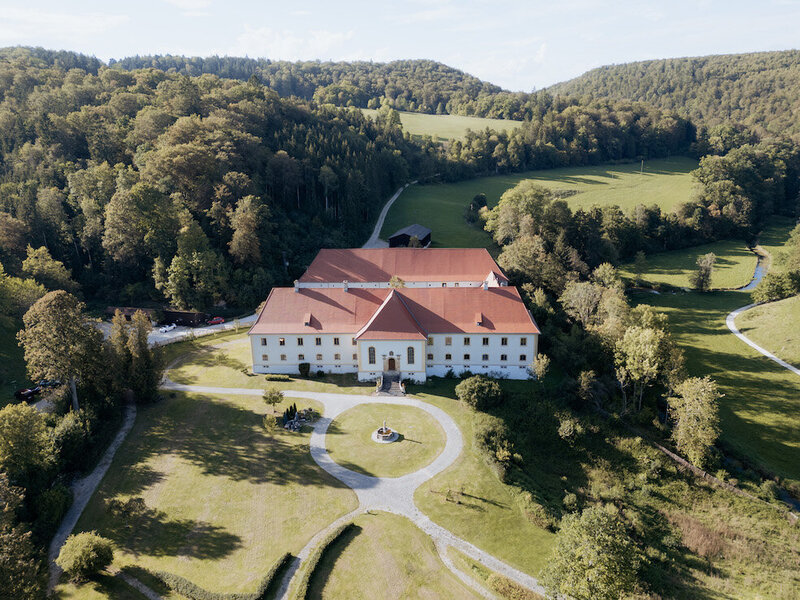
<point x="523" y="341"/>
<point x="371" y="353"/>
<point x="281" y="341"/>
<point x="263" y="341"/>
<point x="319" y="356"/>
<point x="456" y="284"/>
<point x="466" y="341"/>
<point x="301" y="357"/>
<point x="283" y="357"/>
<point x="410" y="358"/>
<point x="337" y="357"/>
<point x="318" y="341"/>
<point x="522" y="357"/>
<point x="466" y="357"/>
<point x="264" y="357"/>
<point x="430" y="356"/>
<point x="299" y="341"/>
<point x="504" y="341"/>
<point x="444" y="284"/>
<point x="430" y="341"/>
<point x="448" y="341"/>
<point x="354" y="341"/>
<point x="485" y="357"/>
<point x="485" y="341"/>
<point x="448" y="357"/>
<point x="335" y="341"/>
<point x="355" y="356"/>
<point x="504" y="357"/>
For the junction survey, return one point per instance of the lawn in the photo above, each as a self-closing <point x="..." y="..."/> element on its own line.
<point x="760" y="412"/>
<point x="218" y="498"/>
<point x="225" y="360"/>
<point x="776" y="327"/>
<point x="12" y="362"/>
<point x="666" y="182"/>
<point x="774" y="238"/>
<point x="385" y="556"/>
<point x="447" y="126"/>
<point x="349" y="440"/>
<point x="733" y="268"/>
<point x="487" y="513"/>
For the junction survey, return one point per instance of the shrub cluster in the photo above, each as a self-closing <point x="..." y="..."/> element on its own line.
<point x="85" y="555"/>
<point x="304" y="368"/>
<point x="277" y="377"/>
<point x="308" y="567"/>
<point x="479" y="392"/>
<point x="510" y="590"/>
<point x="191" y="590"/>
<point x="776" y="286"/>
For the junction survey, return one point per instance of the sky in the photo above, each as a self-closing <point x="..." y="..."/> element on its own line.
<point x="517" y="44"/>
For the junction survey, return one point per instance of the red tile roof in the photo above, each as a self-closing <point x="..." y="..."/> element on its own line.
<point x="392" y="321"/>
<point x="411" y="312"/>
<point x="409" y="264"/>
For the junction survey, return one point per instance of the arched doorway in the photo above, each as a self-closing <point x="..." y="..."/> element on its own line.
<point x="391" y="365"/>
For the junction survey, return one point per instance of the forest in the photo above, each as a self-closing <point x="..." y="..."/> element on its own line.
<point x="200" y="191"/>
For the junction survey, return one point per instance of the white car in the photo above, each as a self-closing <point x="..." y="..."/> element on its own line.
<point x="167" y="328"/>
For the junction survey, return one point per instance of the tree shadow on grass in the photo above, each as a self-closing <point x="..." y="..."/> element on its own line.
<point x="143" y="530"/>
<point x="328" y="560"/>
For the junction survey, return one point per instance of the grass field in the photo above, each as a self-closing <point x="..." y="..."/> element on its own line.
<point x="12" y="362"/>
<point x="760" y="413"/>
<point x="666" y="182"/>
<point x="221" y="498"/>
<point x="447" y="126"/>
<point x="349" y="440"/>
<point x="385" y="556"/>
<point x="776" y="327"/>
<point x="733" y="268"/>
<point x="225" y="361"/>
<point x="774" y="239"/>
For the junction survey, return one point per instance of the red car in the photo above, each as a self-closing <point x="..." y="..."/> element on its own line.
<point x="215" y="321"/>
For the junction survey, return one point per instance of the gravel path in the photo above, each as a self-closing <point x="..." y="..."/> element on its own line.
<point x="374" y="240"/>
<point x="730" y="321"/>
<point x="82" y="491"/>
<point x="390" y="494"/>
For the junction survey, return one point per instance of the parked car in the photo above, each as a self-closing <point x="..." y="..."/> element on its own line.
<point x="27" y="394"/>
<point x="215" y="321"/>
<point x="167" y="328"/>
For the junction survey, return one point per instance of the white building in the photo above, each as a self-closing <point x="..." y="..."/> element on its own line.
<point x="456" y="312"/>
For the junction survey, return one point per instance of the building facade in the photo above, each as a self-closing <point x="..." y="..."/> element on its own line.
<point x="442" y="318"/>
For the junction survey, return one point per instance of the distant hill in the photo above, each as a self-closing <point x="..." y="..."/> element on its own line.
<point x="761" y="90"/>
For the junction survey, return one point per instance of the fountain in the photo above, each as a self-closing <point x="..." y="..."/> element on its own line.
<point x="384" y="435"/>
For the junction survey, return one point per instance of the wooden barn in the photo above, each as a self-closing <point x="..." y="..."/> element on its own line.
<point x="402" y="237"/>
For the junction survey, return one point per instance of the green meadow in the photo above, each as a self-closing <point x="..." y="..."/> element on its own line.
<point x="666" y="182"/>
<point x="776" y="327"/>
<point x="447" y="127"/>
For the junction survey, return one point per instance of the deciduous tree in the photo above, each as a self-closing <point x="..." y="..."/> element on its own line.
<point x="694" y="412"/>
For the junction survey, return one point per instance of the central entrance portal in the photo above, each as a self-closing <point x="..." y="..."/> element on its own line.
<point x="391" y="365"/>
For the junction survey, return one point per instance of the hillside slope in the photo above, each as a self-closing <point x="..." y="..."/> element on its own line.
<point x="760" y="89"/>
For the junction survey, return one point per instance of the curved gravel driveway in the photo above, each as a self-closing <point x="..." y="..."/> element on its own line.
<point x="389" y="494"/>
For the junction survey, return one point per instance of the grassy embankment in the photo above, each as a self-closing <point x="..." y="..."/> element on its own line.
<point x="219" y="499"/>
<point x="384" y="556"/>
<point x="349" y="440"/>
<point x="441" y="207"/>
<point x="447" y="127"/>
<point x="776" y="327"/>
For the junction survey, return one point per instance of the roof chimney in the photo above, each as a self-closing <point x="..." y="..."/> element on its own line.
<point x="296" y="285"/>
<point x="307" y="319"/>
<point x="478" y="318"/>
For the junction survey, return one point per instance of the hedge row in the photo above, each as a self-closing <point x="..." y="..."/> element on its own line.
<point x="303" y="578"/>
<point x="191" y="590"/>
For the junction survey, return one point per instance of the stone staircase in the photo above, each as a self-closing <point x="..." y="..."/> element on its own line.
<point x="390" y="385"/>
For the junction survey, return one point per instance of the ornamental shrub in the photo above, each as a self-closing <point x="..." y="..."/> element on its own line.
<point x="479" y="392"/>
<point x="304" y="368"/>
<point x="84" y="555"/>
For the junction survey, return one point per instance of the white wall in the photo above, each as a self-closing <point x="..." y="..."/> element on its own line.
<point x="513" y="368"/>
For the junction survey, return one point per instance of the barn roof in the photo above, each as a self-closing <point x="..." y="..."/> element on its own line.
<point x="386" y="313"/>
<point x="409" y="264"/>
<point x="412" y="230"/>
